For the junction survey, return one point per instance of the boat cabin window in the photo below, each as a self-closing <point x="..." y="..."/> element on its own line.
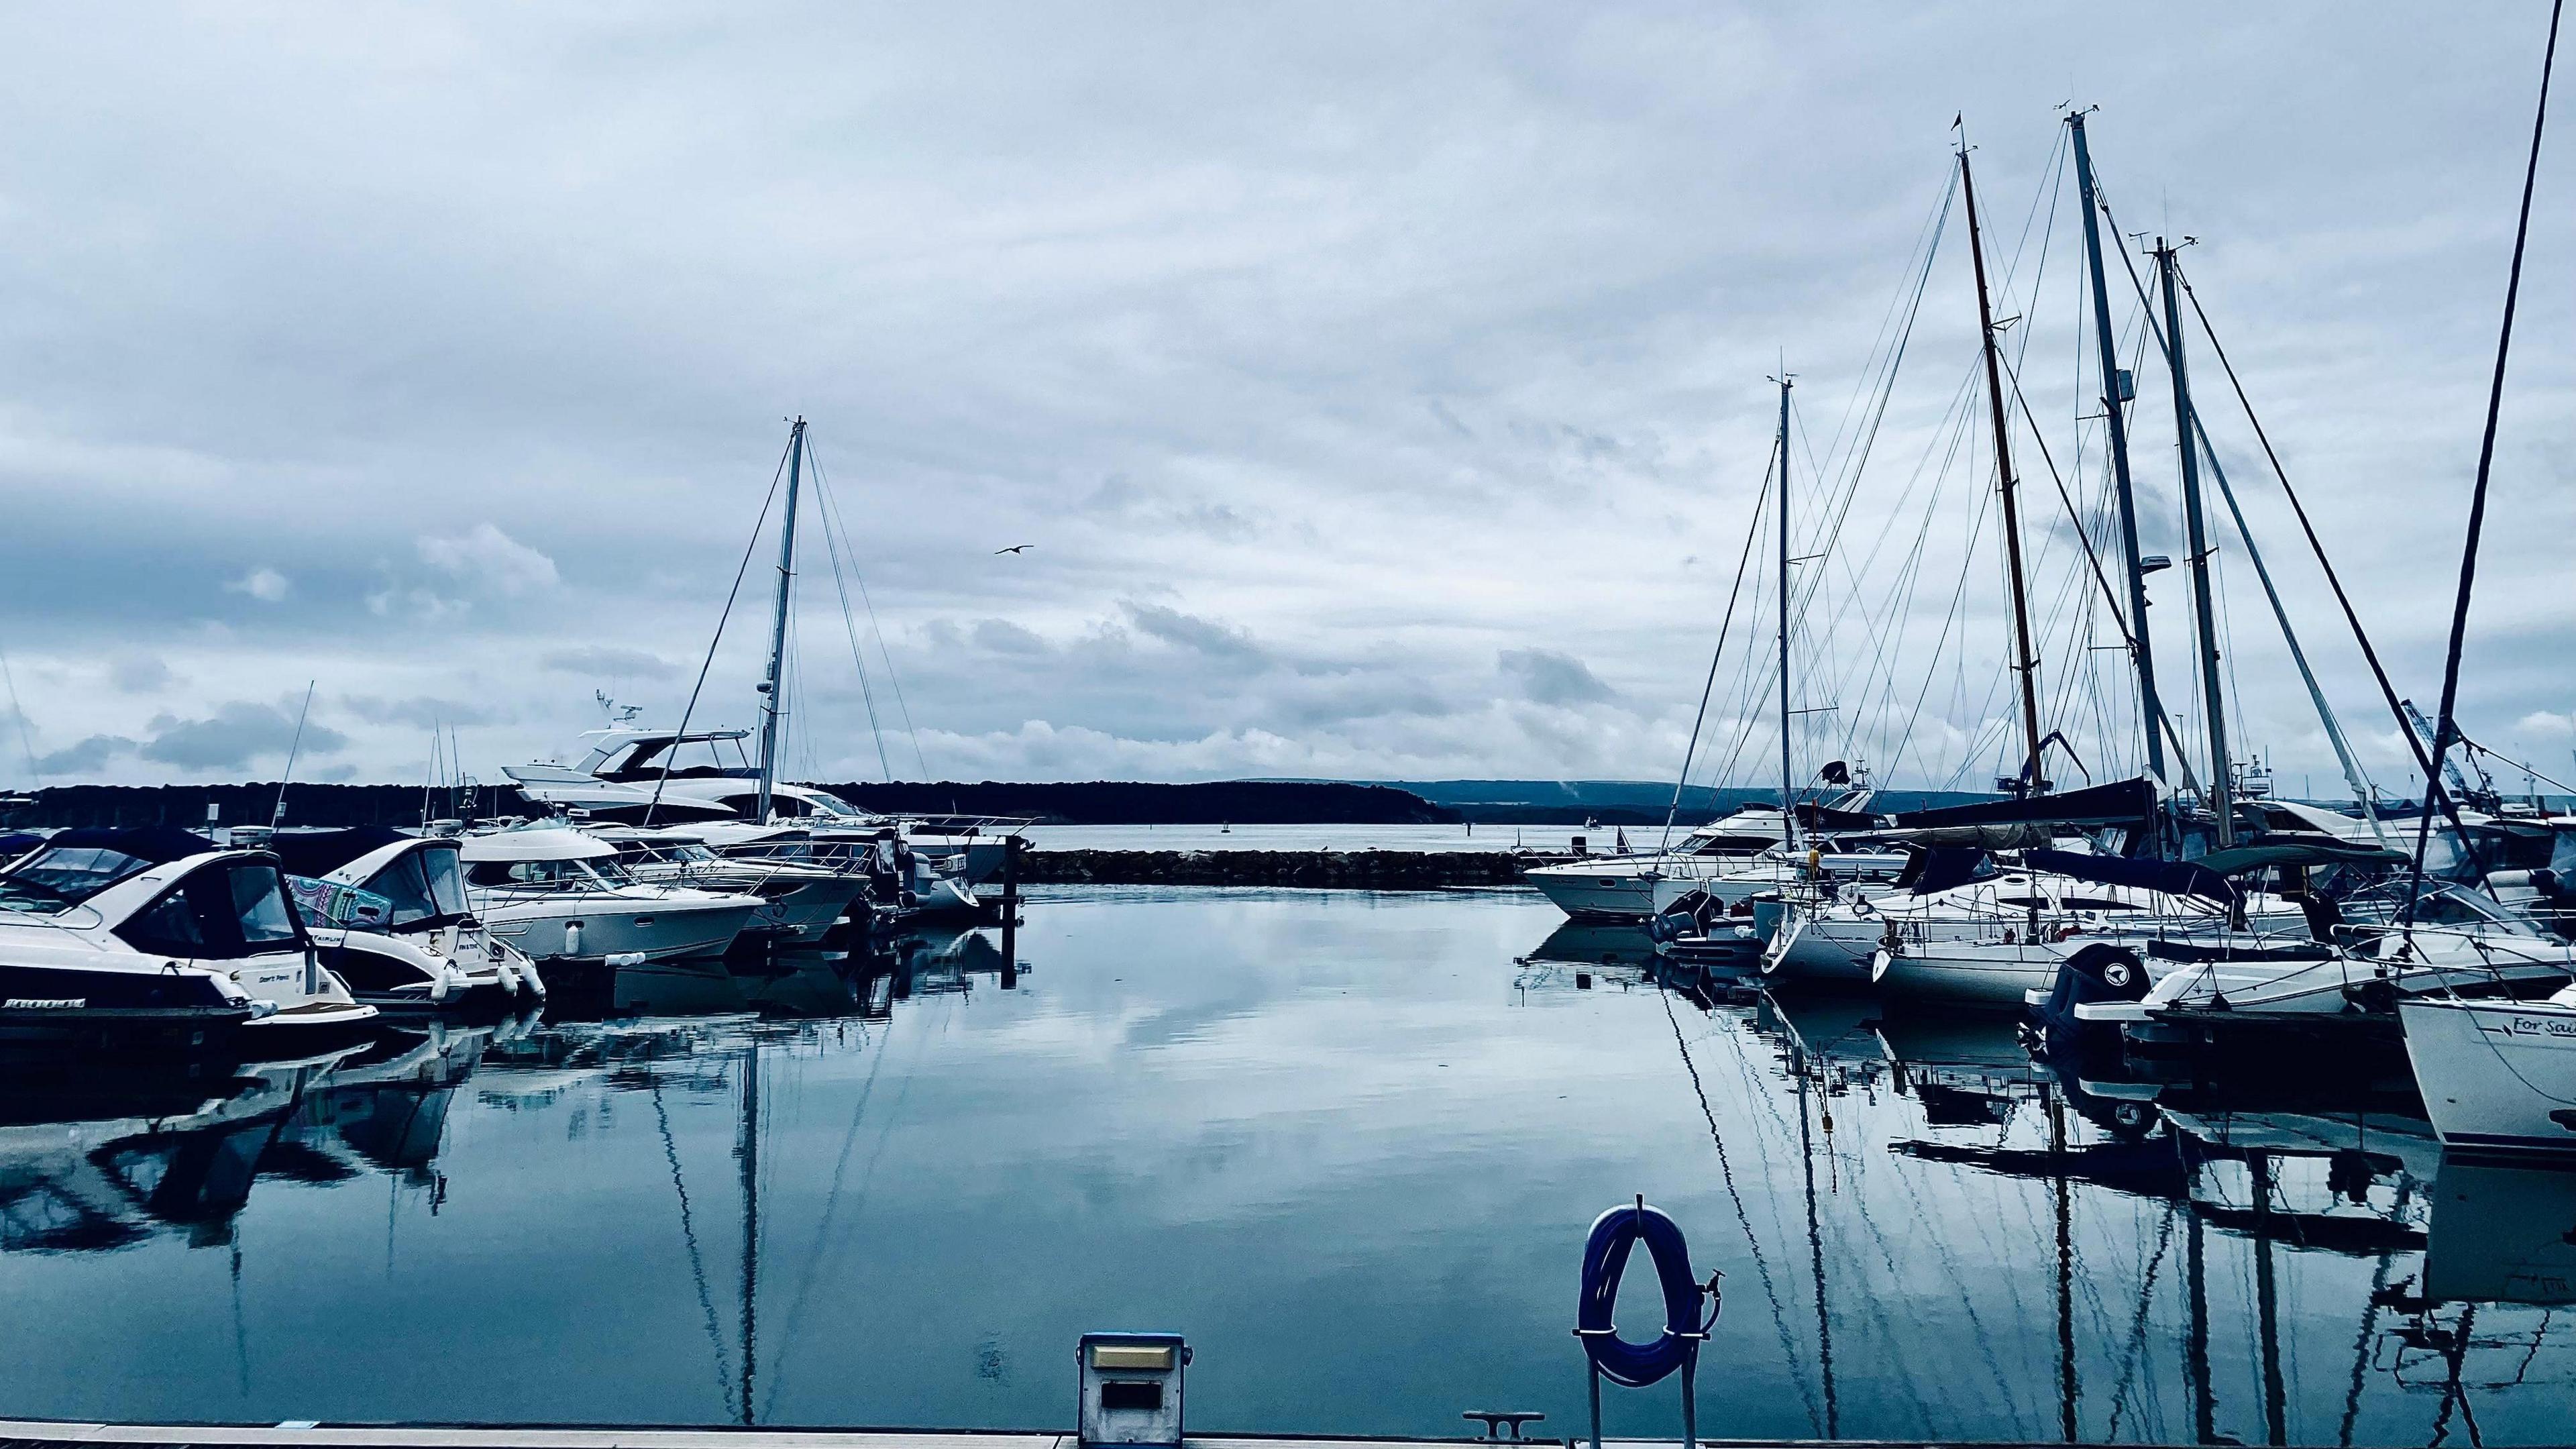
<point x="834" y="805"/>
<point x="423" y="885"/>
<point x="544" y="874"/>
<point x="65" y="876"/>
<point x="2097" y="903"/>
<point x="218" y="913"/>
<point x="2025" y="903"/>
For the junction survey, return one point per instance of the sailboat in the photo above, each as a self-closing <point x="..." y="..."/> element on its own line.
<point x="632" y="771"/>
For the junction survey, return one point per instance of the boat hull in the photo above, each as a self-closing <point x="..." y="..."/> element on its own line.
<point x="652" y="930"/>
<point x="2496" y="1076"/>
<point x="1602" y="890"/>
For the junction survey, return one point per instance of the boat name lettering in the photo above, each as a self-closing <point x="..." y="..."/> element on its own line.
<point x="46" y="1003"/>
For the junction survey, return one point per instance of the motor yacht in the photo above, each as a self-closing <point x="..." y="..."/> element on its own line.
<point x="901" y="883"/>
<point x="157" y="937"/>
<point x="387" y="910"/>
<point x="557" y="894"/>
<point x="1733" y="857"/>
<point x="801" y="902"/>
<point x="629" y="774"/>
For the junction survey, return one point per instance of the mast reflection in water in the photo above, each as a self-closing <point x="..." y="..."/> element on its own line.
<point x="1342" y="1140"/>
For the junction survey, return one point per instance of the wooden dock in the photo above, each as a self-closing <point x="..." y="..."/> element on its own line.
<point x="58" y="1433"/>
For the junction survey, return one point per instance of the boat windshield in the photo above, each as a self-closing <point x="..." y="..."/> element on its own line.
<point x="2454" y="906"/>
<point x="63" y="876"/>
<point x="422" y="885"/>
<point x="219" y="913"/>
<point x="834" y="805"/>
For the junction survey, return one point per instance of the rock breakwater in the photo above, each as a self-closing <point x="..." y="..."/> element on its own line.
<point x="1384" y="870"/>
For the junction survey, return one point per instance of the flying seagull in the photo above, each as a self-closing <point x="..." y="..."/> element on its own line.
<point x="1014" y="548"/>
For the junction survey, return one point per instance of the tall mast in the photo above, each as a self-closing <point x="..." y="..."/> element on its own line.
<point x="2027" y="665"/>
<point x="2206" y="625"/>
<point x="2148" y="706"/>
<point x="772" y="710"/>
<point x="1788" y="781"/>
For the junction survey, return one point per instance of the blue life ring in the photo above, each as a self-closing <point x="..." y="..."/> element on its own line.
<point x="1605" y="1257"/>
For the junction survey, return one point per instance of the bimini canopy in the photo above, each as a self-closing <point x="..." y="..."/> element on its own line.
<point x="77" y="864"/>
<point x="540" y="843"/>
<point x="2173" y="877"/>
<point x="317" y="853"/>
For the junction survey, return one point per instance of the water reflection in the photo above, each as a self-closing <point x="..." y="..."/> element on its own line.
<point x="1337" y="1138"/>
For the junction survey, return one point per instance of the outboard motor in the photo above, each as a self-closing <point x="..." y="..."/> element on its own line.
<point x="2099" y="972"/>
<point x="1691" y="915"/>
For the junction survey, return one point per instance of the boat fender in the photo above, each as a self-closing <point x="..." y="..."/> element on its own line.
<point x="1605" y="1258"/>
<point x="624" y="958"/>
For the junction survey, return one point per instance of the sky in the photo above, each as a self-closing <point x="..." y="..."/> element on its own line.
<point x="1382" y="391"/>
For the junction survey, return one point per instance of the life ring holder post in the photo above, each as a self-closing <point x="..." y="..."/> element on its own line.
<point x="1605" y="1257"/>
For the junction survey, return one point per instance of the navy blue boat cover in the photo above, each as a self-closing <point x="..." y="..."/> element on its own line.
<point x="159" y="844"/>
<point x="2173" y="877"/>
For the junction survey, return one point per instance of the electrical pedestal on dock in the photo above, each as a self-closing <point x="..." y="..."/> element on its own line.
<point x="1131" y="1388"/>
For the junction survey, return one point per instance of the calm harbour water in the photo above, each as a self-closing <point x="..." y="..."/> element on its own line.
<point x="1348" y="1143"/>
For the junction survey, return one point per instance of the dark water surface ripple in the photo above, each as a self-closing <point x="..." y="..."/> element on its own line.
<point x="1348" y="1143"/>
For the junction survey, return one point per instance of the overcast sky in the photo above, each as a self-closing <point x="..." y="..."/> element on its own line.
<point x="1381" y="388"/>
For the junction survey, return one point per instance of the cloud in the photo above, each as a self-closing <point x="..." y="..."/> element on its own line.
<point x="488" y="558"/>
<point x="87" y="757"/>
<point x="1004" y="637"/>
<point x="233" y="736"/>
<point x="264" y="584"/>
<point x="1361" y="364"/>
<point x="1189" y="631"/>
<point x="422" y="711"/>
<point x="140" y="673"/>
<point x="2547" y="724"/>
<point x="605" y="661"/>
<point x="1547" y="677"/>
<point x="426" y="605"/>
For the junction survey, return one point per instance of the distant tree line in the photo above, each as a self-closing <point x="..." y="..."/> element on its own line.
<point x="1098" y="802"/>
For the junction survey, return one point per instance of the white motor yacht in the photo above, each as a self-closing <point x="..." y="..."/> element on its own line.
<point x="627" y="773"/>
<point x="388" y="912"/>
<point x="154" y="936"/>
<point x="900" y="882"/>
<point x="2496" y="1075"/>
<point x="555" y="893"/>
<point x="1741" y="848"/>
<point x="800" y="902"/>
